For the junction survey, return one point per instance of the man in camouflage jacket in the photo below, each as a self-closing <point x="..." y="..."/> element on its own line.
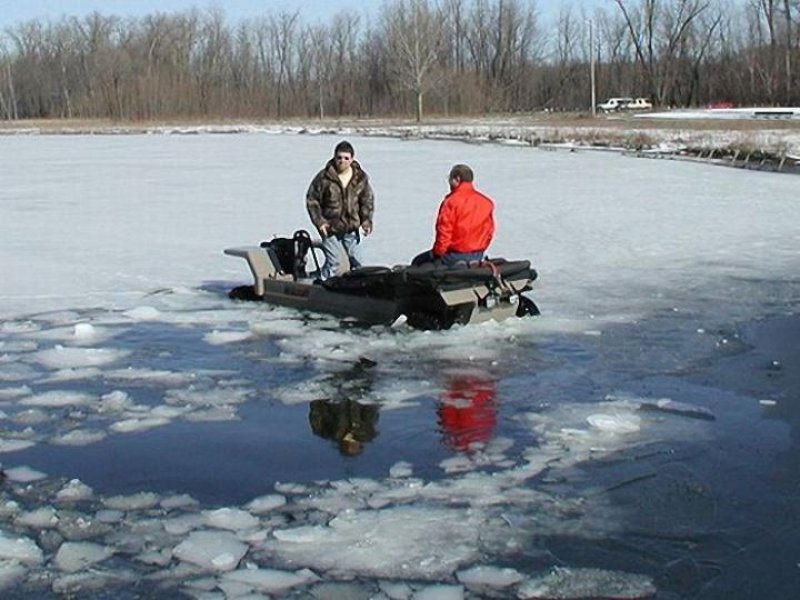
<point x="340" y="202"/>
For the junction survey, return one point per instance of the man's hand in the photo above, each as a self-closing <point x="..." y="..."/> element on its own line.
<point x="366" y="228"/>
<point x="324" y="230"/>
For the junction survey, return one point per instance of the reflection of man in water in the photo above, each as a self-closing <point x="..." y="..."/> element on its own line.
<point x="467" y="411"/>
<point x="346" y="422"/>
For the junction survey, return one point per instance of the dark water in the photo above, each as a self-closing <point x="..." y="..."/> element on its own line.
<point x="712" y="517"/>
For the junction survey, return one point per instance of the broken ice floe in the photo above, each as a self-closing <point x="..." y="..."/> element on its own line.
<point x="577" y="584"/>
<point x="63" y="357"/>
<point x="215" y="551"/>
<point x="77" y="556"/>
<point x="24" y="474"/>
<point x="668" y="405"/>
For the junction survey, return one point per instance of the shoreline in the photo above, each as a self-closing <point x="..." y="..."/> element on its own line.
<point x="766" y="144"/>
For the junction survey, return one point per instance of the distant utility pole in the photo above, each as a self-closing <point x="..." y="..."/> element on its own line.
<point x="591" y="69"/>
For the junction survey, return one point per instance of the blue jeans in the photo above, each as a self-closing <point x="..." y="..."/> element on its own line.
<point x="334" y="245"/>
<point x="448" y="258"/>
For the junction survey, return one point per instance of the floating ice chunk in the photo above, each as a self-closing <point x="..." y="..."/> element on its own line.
<point x="401" y="469"/>
<point x="574" y="584"/>
<point x="30" y="416"/>
<point x="264" y="504"/>
<point x="162" y="377"/>
<point x="78" y="437"/>
<point x="211" y="397"/>
<point x="159" y="558"/>
<point x="217" y="338"/>
<point x="767" y="402"/>
<point x="10" y="393"/>
<point x="141" y="501"/>
<point x="86" y="584"/>
<point x="396" y="591"/>
<point x="41" y="518"/>
<point x="115" y="401"/>
<point x="11" y="572"/>
<point x="457" y="464"/>
<point x="84" y="331"/>
<point x="76" y="556"/>
<point x="143" y="313"/>
<point x="270" y="581"/>
<point x="11" y="445"/>
<point x="212" y="550"/>
<point x="178" y="501"/>
<point x="73" y="374"/>
<point x="60" y="357"/>
<point x="230" y="518"/>
<point x="408" y="542"/>
<point x="21" y="549"/>
<point x="136" y="425"/>
<point x="214" y="414"/>
<point x="440" y="592"/>
<point x="74" y="490"/>
<point x="489" y="576"/>
<point x="616" y="423"/>
<point x="291" y="488"/>
<point x="24" y="474"/>
<point x="667" y="405"/>
<point x="58" y="398"/>
<point x="17" y="372"/>
<point x="305" y="534"/>
<point x="19" y="327"/>
<point x="109" y="516"/>
<point x="183" y="524"/>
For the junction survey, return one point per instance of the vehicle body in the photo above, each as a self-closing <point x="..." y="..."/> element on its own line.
<point x="429" y="296"/>
<point x="639" y="104"/>
<point x="615" y="104"/>
<point x="625" y="103"/>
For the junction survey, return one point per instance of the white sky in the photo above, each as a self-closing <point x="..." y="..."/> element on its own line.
<point x="14" y="11"/>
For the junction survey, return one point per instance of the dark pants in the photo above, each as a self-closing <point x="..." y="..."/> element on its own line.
<point x="448" y="259"/>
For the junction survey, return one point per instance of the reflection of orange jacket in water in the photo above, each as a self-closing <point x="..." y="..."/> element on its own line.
<point x="467" y="411"/>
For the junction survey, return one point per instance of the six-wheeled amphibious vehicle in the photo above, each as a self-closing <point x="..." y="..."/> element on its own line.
<point x="430" y="296"/>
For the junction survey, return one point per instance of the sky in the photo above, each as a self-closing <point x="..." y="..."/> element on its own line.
<point x="15" y="11"/>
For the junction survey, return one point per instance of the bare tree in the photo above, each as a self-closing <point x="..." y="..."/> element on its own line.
<point x="413" y="30"/>
<point x="658" y="30"/>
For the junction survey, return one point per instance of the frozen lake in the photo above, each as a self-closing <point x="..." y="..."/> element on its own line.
<point x="639" y="439"/>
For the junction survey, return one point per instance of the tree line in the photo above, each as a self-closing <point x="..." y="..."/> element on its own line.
<point x="414" y="57"/>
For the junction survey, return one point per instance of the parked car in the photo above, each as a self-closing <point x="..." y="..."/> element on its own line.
<point x="614" y="104"/>
<point x="639" y="104"/>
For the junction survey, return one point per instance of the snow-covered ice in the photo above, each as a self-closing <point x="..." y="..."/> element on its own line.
<point x="116" y="333"/>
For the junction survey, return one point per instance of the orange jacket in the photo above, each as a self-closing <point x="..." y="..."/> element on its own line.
<point x="465" y="222"/>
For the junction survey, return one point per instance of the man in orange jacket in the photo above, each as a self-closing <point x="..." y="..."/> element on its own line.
<point x="464" y="225"/>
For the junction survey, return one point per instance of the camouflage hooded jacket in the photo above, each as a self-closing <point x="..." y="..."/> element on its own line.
<point x="343" y="209"/>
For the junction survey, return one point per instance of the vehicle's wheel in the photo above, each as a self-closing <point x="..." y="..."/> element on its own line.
<point x="244" y="292"/>
<point x="527" y="307"/>
<point x="427" y="321"/>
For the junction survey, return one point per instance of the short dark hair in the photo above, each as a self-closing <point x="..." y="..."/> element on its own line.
<point x="344" y="146"/>
<point x="462" y="173"/>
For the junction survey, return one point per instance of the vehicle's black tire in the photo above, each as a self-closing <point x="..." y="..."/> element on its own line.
<point x="426" y="321"/>
<point x="244" y="292"/>
<point x="527" y="307"/>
